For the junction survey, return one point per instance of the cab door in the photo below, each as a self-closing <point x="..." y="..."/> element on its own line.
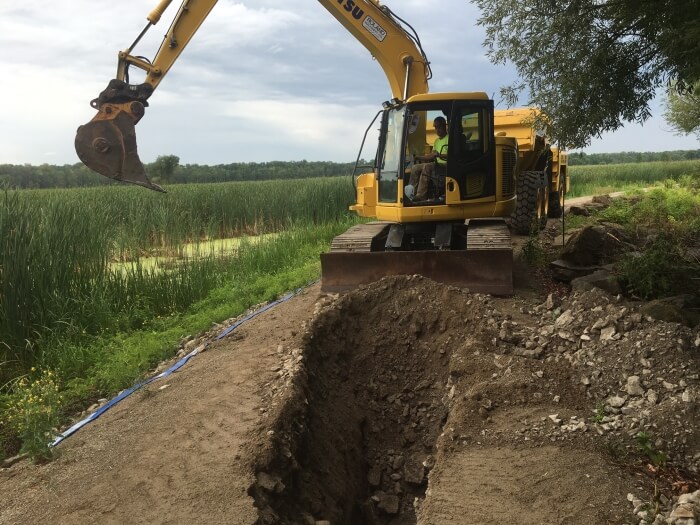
<point x="472" y="153"/>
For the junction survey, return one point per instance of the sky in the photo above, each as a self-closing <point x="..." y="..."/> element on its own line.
<point x="262" y="80"/>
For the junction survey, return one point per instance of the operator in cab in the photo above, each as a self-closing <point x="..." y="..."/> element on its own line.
<point x="432" y="164"/>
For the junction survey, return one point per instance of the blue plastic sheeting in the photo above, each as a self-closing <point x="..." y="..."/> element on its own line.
<point x="126" y="393"/>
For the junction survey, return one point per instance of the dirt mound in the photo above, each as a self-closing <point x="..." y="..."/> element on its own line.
<point x="408" y="395"/>
<point x="402" y="402"/>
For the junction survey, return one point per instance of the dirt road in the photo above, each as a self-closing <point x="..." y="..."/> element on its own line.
<point x="403" y="402"/>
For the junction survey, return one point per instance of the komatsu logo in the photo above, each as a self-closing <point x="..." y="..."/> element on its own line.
<point x="350" y="7"/>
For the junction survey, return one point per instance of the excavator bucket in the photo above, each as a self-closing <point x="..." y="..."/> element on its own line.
<point x="483" y="265"/>
<point x="107" y="144"/>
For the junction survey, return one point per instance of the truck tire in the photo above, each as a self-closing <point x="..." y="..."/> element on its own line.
<point x="555" y="203"/>
<point x="530" y="209"/>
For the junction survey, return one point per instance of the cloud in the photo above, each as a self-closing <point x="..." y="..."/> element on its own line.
<point x="261" y="80"/>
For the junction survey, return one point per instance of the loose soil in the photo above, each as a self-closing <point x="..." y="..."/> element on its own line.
<point x="401" y="402"/>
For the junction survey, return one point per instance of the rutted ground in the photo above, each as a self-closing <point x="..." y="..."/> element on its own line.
<point x="402" y="402"/>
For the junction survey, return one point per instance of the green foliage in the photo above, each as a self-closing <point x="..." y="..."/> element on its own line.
<point x="659" y="270"/>
<point x="599" y="413"/>
<point x="682" y="110"/>
<point x="645" y="443"/>
<point x="671" y="216"/>
<point x="591" y="65"/>
<point x="57" y="252"/>
<point x="163" y="169"/>
<point x="574" y="222"/>
<point x="33" y="413"/>
<point x="581" y="158"/>
<point x="667" y="209"/>
<point x="78" y="175"/>
<point x="599" y="179"/>
<point x="533" y="250"/>
<point x="616" y="449"/>
<point x="92" y="367"/>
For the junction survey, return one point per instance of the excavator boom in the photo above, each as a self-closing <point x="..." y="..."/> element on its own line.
<point x="107" y="144"/>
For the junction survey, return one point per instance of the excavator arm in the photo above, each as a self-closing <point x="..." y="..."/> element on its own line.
<point x="107" y="144"/>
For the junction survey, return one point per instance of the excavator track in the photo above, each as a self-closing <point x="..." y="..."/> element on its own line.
<point x="359" y="257"/>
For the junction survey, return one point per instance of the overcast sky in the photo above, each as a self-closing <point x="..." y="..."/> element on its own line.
<point x="261" y="80"/>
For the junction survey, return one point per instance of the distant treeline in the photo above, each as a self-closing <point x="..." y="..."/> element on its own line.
<point x="167" y="169"/>
<point x="579" y="159"/>
<point x="27" y="176"/>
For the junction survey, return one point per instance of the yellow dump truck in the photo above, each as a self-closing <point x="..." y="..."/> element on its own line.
<point x="542" y="170"/>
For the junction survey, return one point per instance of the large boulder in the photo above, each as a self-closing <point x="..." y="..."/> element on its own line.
<point x="602" y="279"/>
<point x="594" y="245"/>
<point x="677" y="309"/>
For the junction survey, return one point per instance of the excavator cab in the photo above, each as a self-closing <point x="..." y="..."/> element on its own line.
<point x="472" y="183"/>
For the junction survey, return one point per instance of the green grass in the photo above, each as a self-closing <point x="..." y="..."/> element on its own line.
<point x="89" y="366"/>
<point x="64" y="253"/>
<point x="146" y="220"/>
<point x="597" y="180"/>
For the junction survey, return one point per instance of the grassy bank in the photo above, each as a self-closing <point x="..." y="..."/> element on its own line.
<point x="597" y="180"/>
<point x="85" y="366"/>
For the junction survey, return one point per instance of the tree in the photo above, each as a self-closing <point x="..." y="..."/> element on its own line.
<point x="592" y="64"/>
<point x="682" y="111"/>
<point x="164" y="167"/>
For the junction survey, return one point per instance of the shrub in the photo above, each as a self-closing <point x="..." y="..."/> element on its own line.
<point x="659" y="270"/>
<point x="33" y="413"/>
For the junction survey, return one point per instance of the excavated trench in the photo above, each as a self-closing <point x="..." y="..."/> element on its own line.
<point x="358" y="436"/>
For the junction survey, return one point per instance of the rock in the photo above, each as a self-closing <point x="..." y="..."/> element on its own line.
<point x="603" y="200"/>
<point x="374" y="476"/>
<point x="414" y="473"/>
<point x="270" y="483"/>
<point x="684" y="510"/>
<point x="397" y="463"/>
<point x="565" y="271"/>
<point x="579" y="210"/>
<point x="564" y="319"/>
<point x="551" y="302"/>
<point x="634" y="386"/>
<point x="617" y="401"/>
<point x="652" y="396"/>
<point x="672" y="309"/>
<point x="602" y="279"/>
<point x="388" y="503"/>
<point x="590" y="247"/>
<point x="690" y="497"/>
<point x="535" y="353"/>
<point x="506" y="333"/>
<point x="607" y="333"/>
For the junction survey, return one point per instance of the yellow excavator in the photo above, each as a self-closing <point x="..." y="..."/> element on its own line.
<point x="456" y="233"/>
